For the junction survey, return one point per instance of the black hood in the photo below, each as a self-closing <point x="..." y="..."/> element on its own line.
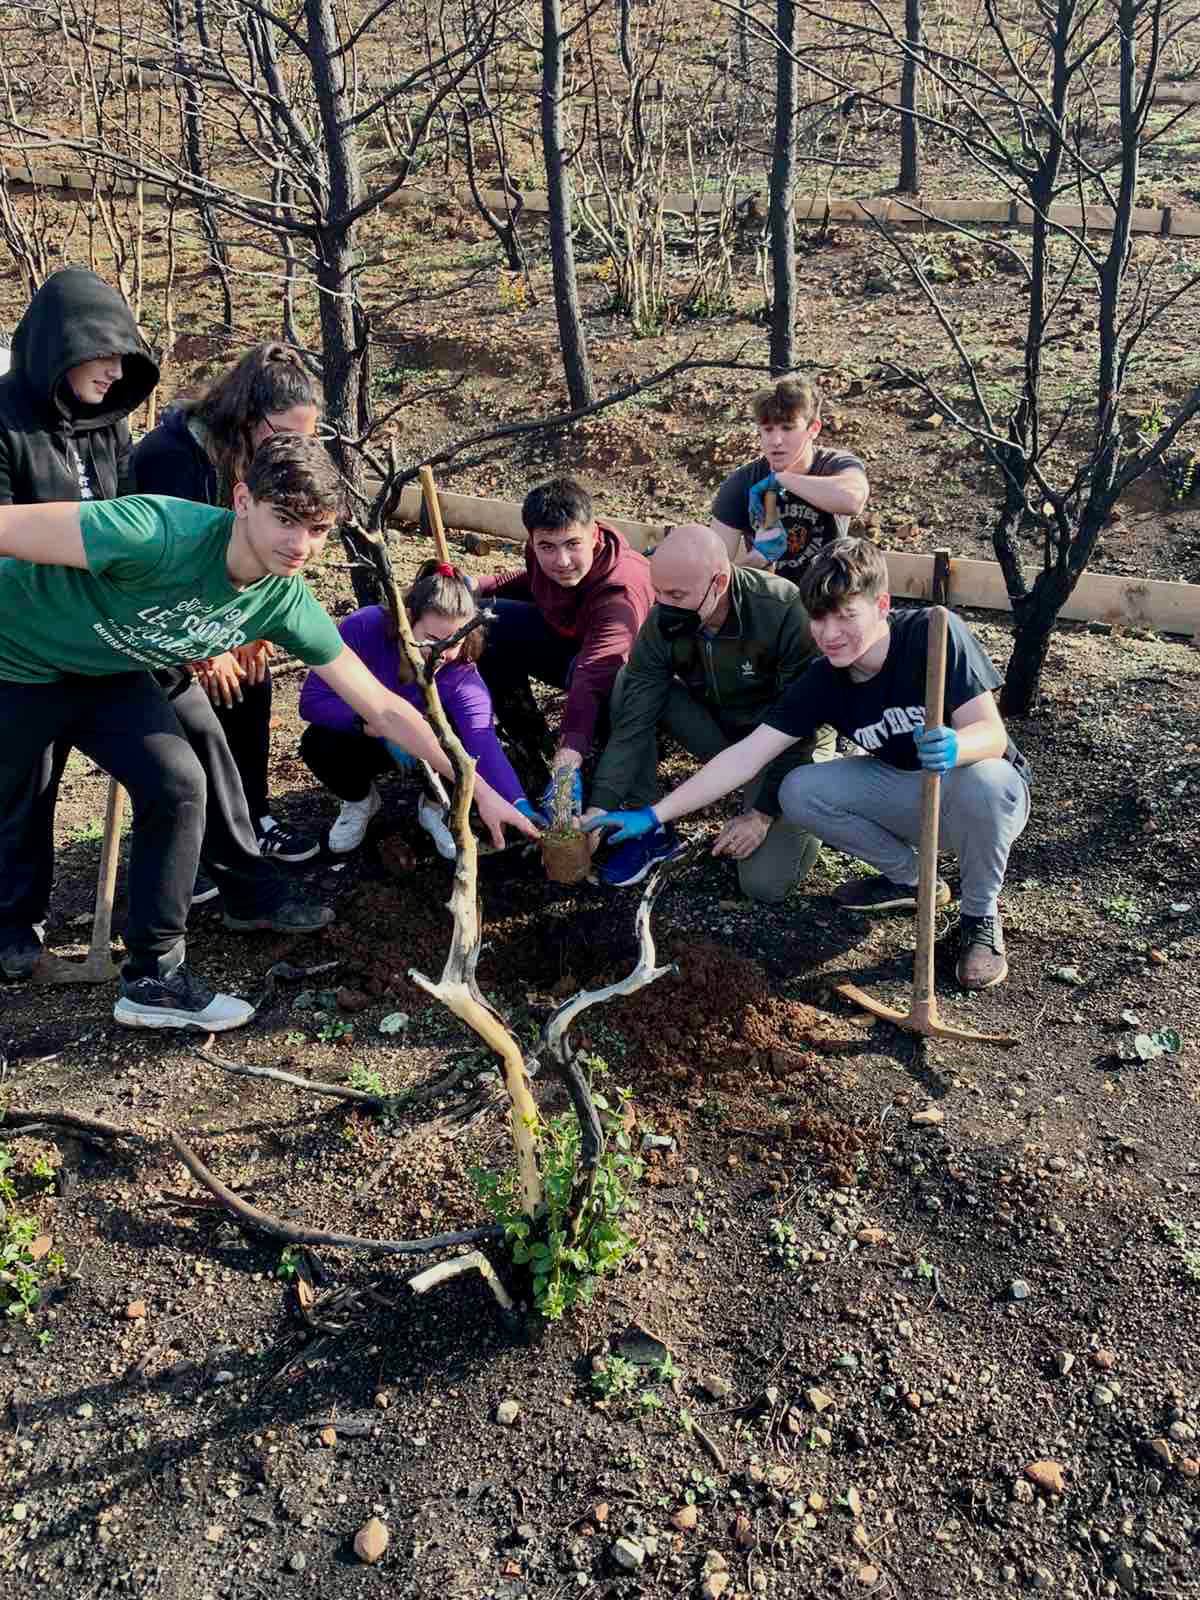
<point x="75" y="317"/>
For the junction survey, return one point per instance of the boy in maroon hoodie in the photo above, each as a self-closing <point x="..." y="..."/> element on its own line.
<point x="569" y="619"/>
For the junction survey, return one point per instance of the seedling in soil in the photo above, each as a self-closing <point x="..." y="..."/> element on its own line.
<point x="615" y="1376"/>
<point x="334" y="1029"/>
<point x="712" y="1111"/>
<point x="289" y="1262"/>
<point x="1123" y="908"/>
<point x="365" y="1079"/>
<point x="698" y="1221"/>
<point x="666" y="1370"/>
<point x="24" y="1260"/>
<point x="650" y="1401"/>
<point x="785" y="1244"/>
<point x="700" y="1486"/>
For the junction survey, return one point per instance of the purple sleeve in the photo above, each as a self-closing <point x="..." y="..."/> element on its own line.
<point x="364" y="632"/>
<point x="469" y="707"/>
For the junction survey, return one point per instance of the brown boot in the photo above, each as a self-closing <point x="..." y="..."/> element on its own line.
<point x="982" y="963"/>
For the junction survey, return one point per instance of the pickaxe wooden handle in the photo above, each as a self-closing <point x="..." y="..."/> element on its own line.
<point x="434" y="511"/>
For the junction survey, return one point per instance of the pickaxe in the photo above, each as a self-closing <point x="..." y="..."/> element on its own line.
<point x="922" y="1016"/>
<point x="98" y="965"/>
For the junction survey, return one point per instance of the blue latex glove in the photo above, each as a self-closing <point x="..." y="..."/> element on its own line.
<point x="937" y="749"/>
<point x="771" y="543"/>
<point x="526" y="808"/>
<point x="546" y="803"/>
<point x="758" y="512"/>
<point x="627" y="824"/>
<point x="406" y="762"/>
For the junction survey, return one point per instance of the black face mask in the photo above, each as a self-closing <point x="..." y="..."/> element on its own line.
<point x="681" y="622"/>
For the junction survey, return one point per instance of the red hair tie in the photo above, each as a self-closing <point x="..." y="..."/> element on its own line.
<point x="445" y="570"/>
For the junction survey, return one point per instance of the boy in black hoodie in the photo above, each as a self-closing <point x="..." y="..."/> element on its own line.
<point x="79" y="368"/>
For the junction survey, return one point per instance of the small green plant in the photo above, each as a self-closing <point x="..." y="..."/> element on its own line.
<point x="699" y="1486"/>
<point x="564" y="1262"/>
<point x="89" y="832"/>
<point x="22" y="1269"/>
<point x="666" y="1371"/>
<point x="924" y="1269"/>
<point x="1122" y="908"/>
<point x="649" y="1401"/>
<point x="365" y="1079"/>
<point x="333" y="1029"/>
<point x="698" y="1222"/>
<point x="41" y="1167"/>
<point x="785" y="1244"/>
<point x="615" y="1376"/>
<point x="712" y="1111"/>
<point x="289" y="1262"/>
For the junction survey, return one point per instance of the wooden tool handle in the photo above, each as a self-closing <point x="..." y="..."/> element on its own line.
<point x="770" y="508"/>
<point x="931" y="795"/>
<point x="106" y="878"/>
<point x="434" y="510"/>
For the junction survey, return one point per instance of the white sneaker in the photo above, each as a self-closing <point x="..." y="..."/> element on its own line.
<point x="432" y="818"/>
<point x="350" y="829"/>
<point x="178" y="1001"/>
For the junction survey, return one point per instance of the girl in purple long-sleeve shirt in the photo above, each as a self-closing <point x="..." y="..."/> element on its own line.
<point x="347" y="759"/>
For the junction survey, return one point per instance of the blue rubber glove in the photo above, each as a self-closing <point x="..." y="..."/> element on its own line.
<point x="771" y="543"/>
<point x="406" y="762"/>
<point x="627" y="825"/>
<point x="546" y="803"/>
<point x="758" y="512"/>
<point x="937" y="749"/>
<point x="526" y="808"/>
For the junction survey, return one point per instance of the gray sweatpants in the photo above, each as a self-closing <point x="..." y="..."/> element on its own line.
<point x="870" y="810"/>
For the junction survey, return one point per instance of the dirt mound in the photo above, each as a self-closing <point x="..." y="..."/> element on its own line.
<point x="717" y="1017"/>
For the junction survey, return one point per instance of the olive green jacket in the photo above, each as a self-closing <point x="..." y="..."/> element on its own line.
<point x="763" y="646"/>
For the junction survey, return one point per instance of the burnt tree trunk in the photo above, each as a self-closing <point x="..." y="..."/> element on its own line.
<point x="910" y="133"/>
<point x="782" y="219"/>
<point x="344" y="352"/>
<point x="558" y="191"/>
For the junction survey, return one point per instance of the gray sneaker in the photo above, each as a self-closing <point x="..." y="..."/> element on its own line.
<point x="293" y="916"/>
<point x="179" y="1000"/>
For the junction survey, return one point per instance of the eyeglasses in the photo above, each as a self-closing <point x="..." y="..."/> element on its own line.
<point x="323" y="430"/>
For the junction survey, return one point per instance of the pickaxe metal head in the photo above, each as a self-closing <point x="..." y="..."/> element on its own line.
<point x="922" y="1018"/>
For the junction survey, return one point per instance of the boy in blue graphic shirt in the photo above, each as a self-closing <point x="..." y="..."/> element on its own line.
<point x="870" y="686"/>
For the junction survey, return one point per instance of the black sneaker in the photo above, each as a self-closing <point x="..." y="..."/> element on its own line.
<point x="20" y="954"/>
<point x="278" y="842"/>
<point x="179" y="1000"/>
<point x="873" y="892"/>
<point x="982" y="963"/>
<point x="293" y="916"/>
<point x="204" y="890"/>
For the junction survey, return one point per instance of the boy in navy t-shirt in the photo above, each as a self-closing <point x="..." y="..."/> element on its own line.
<point x="870" y="685"/>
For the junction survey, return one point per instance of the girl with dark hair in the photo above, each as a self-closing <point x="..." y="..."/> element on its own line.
<point x="198" y="452"/>
<point x="347" y="758"/>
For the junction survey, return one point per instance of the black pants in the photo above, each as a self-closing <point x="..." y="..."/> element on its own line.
<point x="344" y="763"/>
<point x="125" y="725"/>
<point x="248" y="883"/>
<point x="247" y="728"/>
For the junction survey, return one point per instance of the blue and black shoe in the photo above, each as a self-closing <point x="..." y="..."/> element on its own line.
<point x="630" y="862"/>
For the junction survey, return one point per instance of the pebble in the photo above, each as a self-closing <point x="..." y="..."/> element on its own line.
<point x="1102" y="1395"/>
<point x="1161" y="1449"/>
<point x="135" y="1311"/>
<point x="224" y="1376"/>
<point x="691" y="1175"/>
<point x="19" y="1512"/>
<point x="1189" y="1466"/>
<point x="822" y="1437"/>
<point x="627" y="1554"/>
<point x="1104" y="1359"/>
<point x="1181" y="1432"/>
<point x="1064" y="1361"/>
<point x="1124" y="1571"/>
<point x="868" y="1575"/>
<point x="716" y="1388"/>
<point x="931" y="1117"/>
<point x="714" y="1586"/>
<point x="215" y="1532"/>
<point x="818" y="1400"/>
<point x="85" y="1411"/>
<point x="853" y="1502"/>
<point x="685" y="1519"/>
<point x="507" y="1413"/>
<point x="1018" y="1289"/>
<point x="371" y="1541"/>
<point x="297" y="1562"/>
<point x="1047" y="1476"/>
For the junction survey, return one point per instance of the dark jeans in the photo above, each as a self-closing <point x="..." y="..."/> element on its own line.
<point x="247" y="727"/>
<point x="344" y="763"/>
<point x="521" y="645"/>
<point x="249" y="884"/>
<point x="125" y="725"/>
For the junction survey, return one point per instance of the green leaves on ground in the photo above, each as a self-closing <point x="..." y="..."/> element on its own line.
<point x="25" y="1253"/>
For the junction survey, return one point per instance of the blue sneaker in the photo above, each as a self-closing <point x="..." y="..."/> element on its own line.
<point x="630" y="862"/>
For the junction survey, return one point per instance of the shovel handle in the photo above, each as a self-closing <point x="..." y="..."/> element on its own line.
<point x="106" y="879"/>
<point x="433" y="509"/>
<point x="931" y="794"/>
<point x="770" y="508"/>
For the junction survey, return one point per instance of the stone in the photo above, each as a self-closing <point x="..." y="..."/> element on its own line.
<point x="1102" y="1395"/>
<point x="371" y="1541"/>
<point x="328" y="1437"/>
<point x="714" y="1586"/>
<point x="297" y="1561"/>
<point x="859" y="1537"/>
<point x="867" y="1575"/>
<point x="685" y="1519"/>
<point x="135" y="1311"/>
<point x="84" y="1412"/>
<point x="931" y="1117"/>
<point x="716" y="1388"/>
<point x="1047" y="1476"/>
<point x="1064" y="1361"/>
<point x="627" y="1554"/>
<point x="1104" y="1359"/>
<point x="1023" y="1492"/>
<point x="215" y="1532"/>
<point x="931" y="423"/>
<point x="817" y="1502"/>
<point x="853" y="1502"/>
<point x="1181" y="1432"/>
<point x="818" y="1400"/>
<point x="875" y="1237"/>
<point x="1162" y="1450"/>
<point x="1124" y="1571"/>
<point x="822" y="1437"/>
<point x="19" y="1512"/>
<point x="1019" y="1290"/>
<point x="507" y="1413"/>
<point x="714" y="1561"/>
<point x="1189" y="1466"/>
<point x="743" y="1532"/>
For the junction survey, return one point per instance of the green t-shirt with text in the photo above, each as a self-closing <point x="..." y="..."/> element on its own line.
<point x="156" y="592"/>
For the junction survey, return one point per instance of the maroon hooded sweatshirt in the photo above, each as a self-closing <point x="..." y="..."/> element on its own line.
<point x="601" y="616"/>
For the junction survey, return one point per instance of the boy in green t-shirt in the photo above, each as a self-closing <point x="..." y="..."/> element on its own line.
<point x="99" y="593"/>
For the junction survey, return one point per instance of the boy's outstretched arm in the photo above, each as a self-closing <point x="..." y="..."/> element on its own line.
<point x="729" y="770"/>
<point x="46" y="534"/>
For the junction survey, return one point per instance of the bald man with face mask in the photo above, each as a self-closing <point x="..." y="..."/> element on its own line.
<point x="718" y="648"/>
